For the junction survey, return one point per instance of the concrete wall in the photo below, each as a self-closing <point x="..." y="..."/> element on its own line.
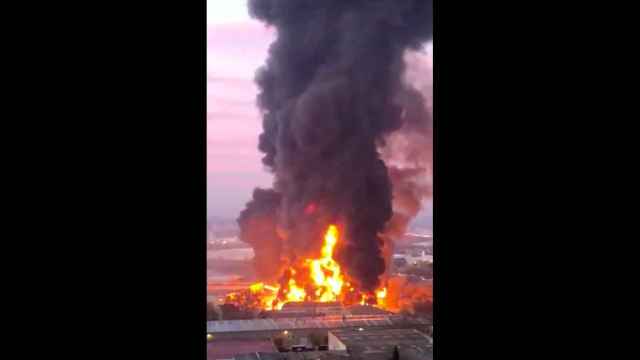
<point x="335" y="343"/>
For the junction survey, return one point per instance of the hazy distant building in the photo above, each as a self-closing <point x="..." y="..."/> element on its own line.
<point x="414" y="256"/>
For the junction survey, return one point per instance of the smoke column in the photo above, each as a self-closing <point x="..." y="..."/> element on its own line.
<point x="258" y="226"/>
<point x="331" y="92"/>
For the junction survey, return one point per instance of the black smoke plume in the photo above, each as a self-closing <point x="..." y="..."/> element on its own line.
<point x="258" y="228"/>
<point x="329" y="98"/>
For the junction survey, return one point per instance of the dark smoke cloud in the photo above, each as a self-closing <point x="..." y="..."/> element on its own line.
<point x="329" y="96"/>
<point x="258" y="228"/>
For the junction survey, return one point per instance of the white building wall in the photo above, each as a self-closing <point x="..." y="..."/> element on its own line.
<point x="335" y="343"/>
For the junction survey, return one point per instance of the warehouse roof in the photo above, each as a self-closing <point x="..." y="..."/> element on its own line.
<point x="260" y="356"/>
<point x="307" y="355"/>
<point x="310" y="304"/>
<point x="366" y="310"/>
<point x="226" y="349"/>
<point x="324" y="322"/>
<point x="372" y="340"/>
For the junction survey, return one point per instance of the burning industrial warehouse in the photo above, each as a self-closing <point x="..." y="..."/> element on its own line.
<point x="325" y="330"/>
<point x="348" y="143"/>
<point x="348" y="138"/>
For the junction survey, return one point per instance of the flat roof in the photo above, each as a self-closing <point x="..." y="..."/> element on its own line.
<point x="309" y="304"/>
<point x="318" y="355"/>
<point x="260" y="356"/>
<point x="226" y="349"/>
<point x="324" y="322"/>
<point x="307" y="355"/>
<point x="415" y="354"/>
<point x="367" y="310"/>
<point x="375" y="340"/>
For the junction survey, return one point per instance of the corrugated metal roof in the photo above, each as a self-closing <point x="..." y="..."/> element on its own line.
<point x="226" y="349"/>
<point x="260" y="356"/>
<point x="373" y="340"/>
<point x="307" y="323"/>
<point x="310" y="304"/>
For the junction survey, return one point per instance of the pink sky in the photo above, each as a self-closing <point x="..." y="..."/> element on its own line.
<point x="236" y="47"/>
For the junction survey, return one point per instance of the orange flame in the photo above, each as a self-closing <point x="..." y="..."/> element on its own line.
<point x="325" y="285"/>
<point x="381" y="296"/>
<point x="325" y="271"/>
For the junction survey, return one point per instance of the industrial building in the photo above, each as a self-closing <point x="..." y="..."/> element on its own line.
<point x="359" y="344"/>
<point x="314" y="308"/>
<point x="354" y="337"/>
<point x="413" y="257"/>
<point x="376" y="343"/>
<point x="310" y="309"/>
<point x="259" y="356"/>
<point x="223" y="349"/>
<point x="265" y="327"/>
<point x="311" y="355"/>
<point x="366" y="310"/>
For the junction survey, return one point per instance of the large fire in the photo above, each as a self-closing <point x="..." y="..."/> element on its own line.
<point x="319" y="280"/>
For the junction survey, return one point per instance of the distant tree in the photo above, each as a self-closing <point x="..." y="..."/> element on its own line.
<point x="423" y="269"/>
<point x="283" y="341"/>
<point x="212" y="314"/>
<point x="318" y="338"/>
<point x="396" y="354"/>
<point x="423" y="308"/>
<point x="400" y="262"/>
<point x="232" y="312"/>
<point x="278" y="341"/>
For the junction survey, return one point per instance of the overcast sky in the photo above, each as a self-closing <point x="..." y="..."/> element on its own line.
<point x="236" y="46"/>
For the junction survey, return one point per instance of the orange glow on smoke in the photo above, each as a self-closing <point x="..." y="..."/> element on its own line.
<point x="324" y="281"/>
<point x="310" y="209"/>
